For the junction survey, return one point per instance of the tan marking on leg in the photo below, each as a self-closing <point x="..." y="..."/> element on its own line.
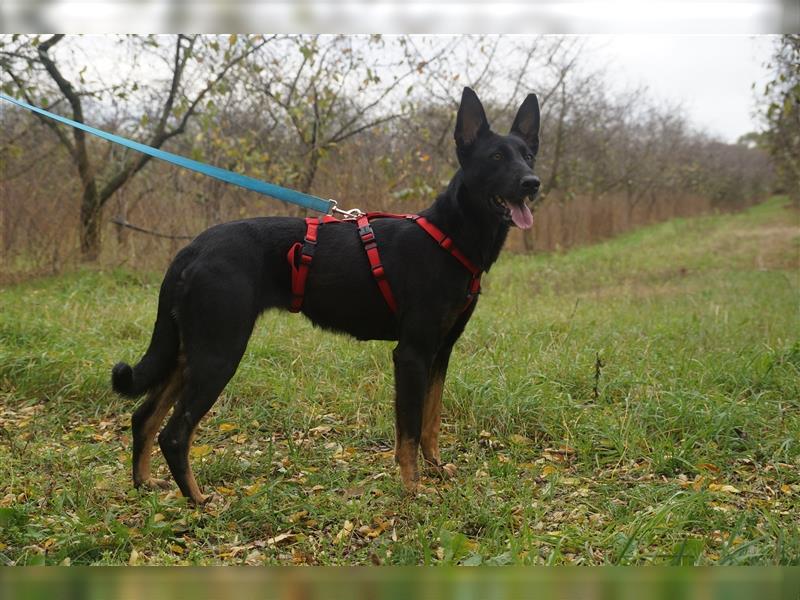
<point x="167" y="395"/>
<point x="431" y="421"/>
<point x="195" y="495"/>
<point x="406" y="456"/>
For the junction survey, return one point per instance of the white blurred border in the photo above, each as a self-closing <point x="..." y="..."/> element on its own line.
<point x="379" y="16"/>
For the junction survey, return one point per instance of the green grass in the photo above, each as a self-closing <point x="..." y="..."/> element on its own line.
<point x="688" y="452"/>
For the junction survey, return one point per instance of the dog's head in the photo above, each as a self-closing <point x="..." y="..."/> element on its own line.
<point x="498" y="169"/>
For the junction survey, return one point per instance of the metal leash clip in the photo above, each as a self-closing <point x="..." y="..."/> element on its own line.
<point x="353" y="213"/>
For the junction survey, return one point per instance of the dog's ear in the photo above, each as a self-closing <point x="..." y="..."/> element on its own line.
<point x="471" y="122"/>
<point x="526" y="123"/>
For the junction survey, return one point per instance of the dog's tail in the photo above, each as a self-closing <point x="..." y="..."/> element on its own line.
<point x="159" y="360"/>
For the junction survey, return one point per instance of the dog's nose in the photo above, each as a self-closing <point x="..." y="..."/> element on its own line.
<point x="530" y="184"/>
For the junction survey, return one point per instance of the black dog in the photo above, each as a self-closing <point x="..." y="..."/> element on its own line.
<point x="217" y="286"/>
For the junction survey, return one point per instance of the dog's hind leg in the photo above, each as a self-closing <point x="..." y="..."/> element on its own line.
<point x="216" y="325"/>
<point x="206" y="380"/>
<point x="147" y="420"/>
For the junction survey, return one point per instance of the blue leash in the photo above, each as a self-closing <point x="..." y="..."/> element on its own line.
<point x="268" y="189"/>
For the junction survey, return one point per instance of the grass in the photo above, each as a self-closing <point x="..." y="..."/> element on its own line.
<point x="634" y="402"/>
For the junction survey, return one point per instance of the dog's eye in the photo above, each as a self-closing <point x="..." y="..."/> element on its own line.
<point x="497" y="156"/>
<point x="529" y="157"/>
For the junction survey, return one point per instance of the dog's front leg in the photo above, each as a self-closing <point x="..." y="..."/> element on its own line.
<point x="411" y="371"/>
<point x="432" y="411"/>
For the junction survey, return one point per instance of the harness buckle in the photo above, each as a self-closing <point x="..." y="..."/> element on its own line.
<point x="366" y="233"/>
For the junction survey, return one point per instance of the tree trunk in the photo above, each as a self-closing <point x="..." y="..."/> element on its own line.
<point x="90" y="223"/>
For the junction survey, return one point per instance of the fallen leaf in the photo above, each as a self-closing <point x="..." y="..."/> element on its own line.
<point x="520" y="440"/>
<point x="281" y="537"/>
<point x="300" y="558"/>
<point x="346" y="531"/>
<point x="252" y="489"/>
<point x="719" y="487"/>
<point x="200" y="451"/>
<point x="295" y="517"/>
<point x="562" y="450"/>
<point x="708" y="467"/>
<point x="354" y="492"/>
<point x="320" y="430"/>
<point x="227" y="427"/>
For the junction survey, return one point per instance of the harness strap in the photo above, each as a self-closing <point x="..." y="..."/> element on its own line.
<point x="301" y="267"/>
<point x="301" y="255"/>
<point x="367" y="236"/>
<point x="446" y="242"/>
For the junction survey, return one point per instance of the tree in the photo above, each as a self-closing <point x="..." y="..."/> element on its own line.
<point x="196" y="65"/>
<point x="327" y="89"/>
<point x="782" y="114"/>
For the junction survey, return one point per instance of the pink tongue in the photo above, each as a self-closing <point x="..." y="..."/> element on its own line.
<point x="521" y="215"/>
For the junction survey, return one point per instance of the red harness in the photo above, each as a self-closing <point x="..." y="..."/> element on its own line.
<point x="301" y="266"/>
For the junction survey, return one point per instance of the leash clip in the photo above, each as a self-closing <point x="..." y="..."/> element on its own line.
<point x="353" y="213"/>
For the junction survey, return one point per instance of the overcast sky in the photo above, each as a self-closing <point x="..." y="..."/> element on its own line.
<point x="709" y="75"/>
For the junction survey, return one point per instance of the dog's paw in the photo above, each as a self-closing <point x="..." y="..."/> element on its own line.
<point x="154" y="483"/>
<point x="410" y="481"/>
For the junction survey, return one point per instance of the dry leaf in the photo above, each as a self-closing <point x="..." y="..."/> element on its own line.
<point x="708" y="467"/>
<point x="252" y="489"/>
<point x="295" y="517"/>
<point x="281" y="537"/>
<point x="227" y="427"/>
<point x="320" y="430"/>
<point x="346" y="531"/>
<point x="354" y="492"/>
<point x="200" y="451"/>
<point x="520" y="440"/>
<point x="719" y="487"/>
<point x="565" y="450"/>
